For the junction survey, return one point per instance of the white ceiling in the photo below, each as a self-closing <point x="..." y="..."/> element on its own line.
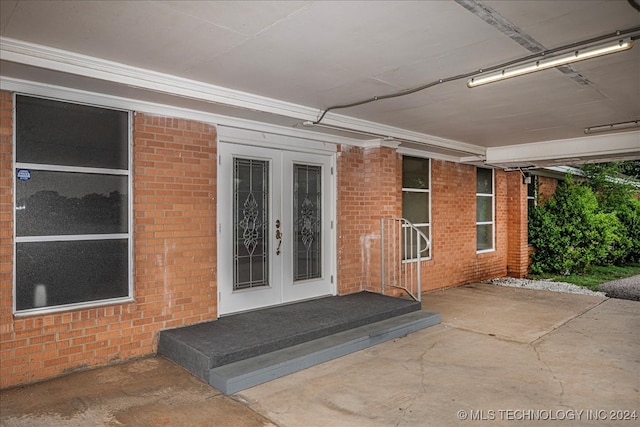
<point x="286" y="62"/>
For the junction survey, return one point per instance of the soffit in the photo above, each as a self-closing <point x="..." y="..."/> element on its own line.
<point x="318" y="54"/>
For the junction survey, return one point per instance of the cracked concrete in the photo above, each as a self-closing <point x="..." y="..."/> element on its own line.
<point x="501" y="356"/>
<point x="498" y="351"/>
<point x="147" y="392"/>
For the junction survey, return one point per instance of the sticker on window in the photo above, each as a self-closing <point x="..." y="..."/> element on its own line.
<point x="24" y="174"/>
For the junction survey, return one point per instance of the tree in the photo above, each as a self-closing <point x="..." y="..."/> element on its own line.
<point x="617" y="186"/>
<point x="631" y="169"/>
<point x="570" y="232"/>
<point x="610" y="183"/>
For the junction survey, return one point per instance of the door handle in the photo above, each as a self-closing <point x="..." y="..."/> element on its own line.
<point x="278" y="236"/>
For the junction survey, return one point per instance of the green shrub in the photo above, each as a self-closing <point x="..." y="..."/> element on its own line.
<point x="628" y="214"/>
<point x="570" y="234"/>
<point x="615" y="240"/>
<point x="613" y="184"/>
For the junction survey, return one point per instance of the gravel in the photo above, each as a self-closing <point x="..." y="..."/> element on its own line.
<point x="628" y="288"/>
<point x="545" y="285"/>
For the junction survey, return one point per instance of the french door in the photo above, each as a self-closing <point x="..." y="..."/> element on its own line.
<point x="274" y="228"/>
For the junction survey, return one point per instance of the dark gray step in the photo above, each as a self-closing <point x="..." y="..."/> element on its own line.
<point x="241" y="375"/>
<point x="199" y="348"/>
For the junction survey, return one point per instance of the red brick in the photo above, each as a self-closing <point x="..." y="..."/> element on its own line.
<point x="45" y="345"/>
<point x="174" y="231"/>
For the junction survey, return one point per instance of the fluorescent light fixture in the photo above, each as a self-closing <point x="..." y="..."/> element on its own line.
<point x="613" y="126"/>
<point x="554" y="61"/>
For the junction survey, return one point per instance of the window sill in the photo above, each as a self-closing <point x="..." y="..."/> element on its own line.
<point x="71" y="307"/>
<point x="407" y="261"/>
<point x="485" y="251"/>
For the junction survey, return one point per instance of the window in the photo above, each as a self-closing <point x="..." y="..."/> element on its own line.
<point x="72" y="218"/>
<point x="416" y="196"/>
<point x="532" y="190"/>
<point x="484" y="210"/>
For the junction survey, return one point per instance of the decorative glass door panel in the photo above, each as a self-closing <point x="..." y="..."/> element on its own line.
<point x="307" y="202"/>
<point x="251" y="223"/>
<point x="274" y="231"/>
<point x="307" y="222"/>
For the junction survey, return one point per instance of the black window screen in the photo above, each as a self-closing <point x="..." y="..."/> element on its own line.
<point x="61" y="133"/>
<point x="72" y="185"/>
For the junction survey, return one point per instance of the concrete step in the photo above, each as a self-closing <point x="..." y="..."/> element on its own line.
<point x="202" y="347"/>
<point x="237" y="376"/>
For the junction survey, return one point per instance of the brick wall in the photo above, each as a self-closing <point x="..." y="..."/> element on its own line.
<point x="350" y="201"/>
<point x="453" y="236"/>
<point x="518" y="249"/>
<point x="370" y="186"/>
<point x="383" y="199"/>
<point x="175" y="258"/>
<point x="175" y="244"/>
<point x="175" y="219"/>
<point x="546" y="188"/>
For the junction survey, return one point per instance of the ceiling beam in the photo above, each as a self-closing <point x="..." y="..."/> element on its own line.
<point x="587" y="149"/>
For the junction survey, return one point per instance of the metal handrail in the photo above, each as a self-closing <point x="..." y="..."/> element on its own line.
<point x="402" y="256"/>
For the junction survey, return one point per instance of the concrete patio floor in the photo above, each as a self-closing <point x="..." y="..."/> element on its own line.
<point x="501" y="356"/>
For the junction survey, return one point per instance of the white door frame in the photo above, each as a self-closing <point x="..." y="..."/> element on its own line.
<point x="248" y="138"/>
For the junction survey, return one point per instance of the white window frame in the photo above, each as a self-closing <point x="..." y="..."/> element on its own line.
<point x="534" y="183"/>
<point x="493" y="212"/>
<point x="74" y="237"/>
<point x="428" y="224"/>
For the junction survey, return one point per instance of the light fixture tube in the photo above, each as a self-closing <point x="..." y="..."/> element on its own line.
<point x="613" y="126"/>
<point x="554" y="61"/>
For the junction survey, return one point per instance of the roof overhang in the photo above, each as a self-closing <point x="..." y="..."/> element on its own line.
<point x="54" y="72"/>
<point x="589" y="149"/>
